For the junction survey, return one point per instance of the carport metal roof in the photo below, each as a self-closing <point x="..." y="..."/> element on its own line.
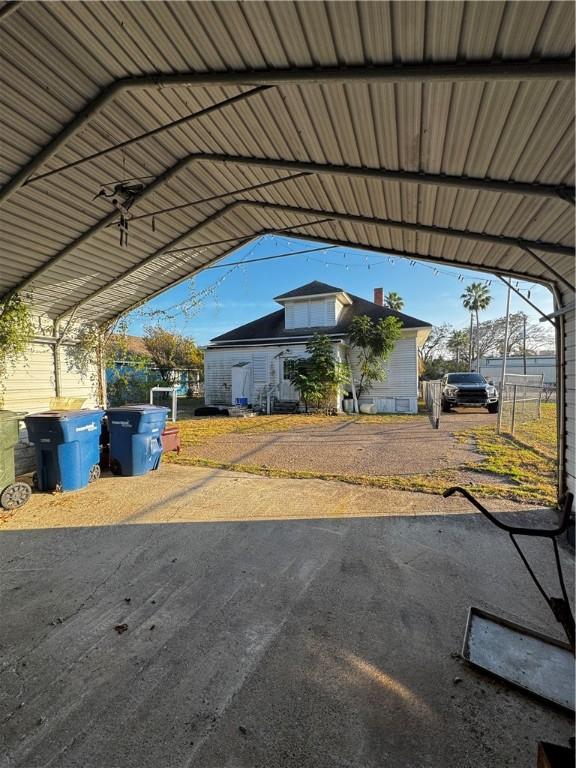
<point x="435" y="130"/>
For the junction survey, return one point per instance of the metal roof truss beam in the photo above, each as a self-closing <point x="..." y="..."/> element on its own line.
<point x="351" y="218"/>
<point x="562" y="69"/>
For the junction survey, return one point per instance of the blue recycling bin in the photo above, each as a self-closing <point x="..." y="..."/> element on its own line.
<point x="67" y="448"/>
<point x="135" y="438"/>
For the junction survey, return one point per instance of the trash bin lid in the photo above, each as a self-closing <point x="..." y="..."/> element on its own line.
<point x="137" y="408"/>
<point x="63" y="415"/>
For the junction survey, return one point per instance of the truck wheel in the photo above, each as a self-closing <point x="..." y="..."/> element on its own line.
<point x="446" y="407"/>
<point x="15" y="495"/>
<point x="493" y="408"/>
<point x="94" y="473"/>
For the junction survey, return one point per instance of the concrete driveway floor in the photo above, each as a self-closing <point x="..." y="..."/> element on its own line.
<point x="205" y="619"/>
<point x="353" y="446"/>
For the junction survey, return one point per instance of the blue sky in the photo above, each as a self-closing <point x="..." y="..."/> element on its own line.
<point x="246" y="292"/>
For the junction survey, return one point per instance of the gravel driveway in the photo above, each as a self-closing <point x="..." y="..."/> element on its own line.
<point x="353" y="446"/>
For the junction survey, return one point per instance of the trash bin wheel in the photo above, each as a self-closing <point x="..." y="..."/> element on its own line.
<point x="35" y="481"/>
<point x="115" y="467"/>
<point x="94" y="473"/>
<point x="15" y="495"/>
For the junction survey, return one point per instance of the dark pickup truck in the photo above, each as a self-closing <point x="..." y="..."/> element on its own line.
<point x="469" y="390"/>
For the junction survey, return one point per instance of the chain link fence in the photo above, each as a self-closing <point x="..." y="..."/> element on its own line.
<point x="432" y="396"/>
<point x="520" y="400"/>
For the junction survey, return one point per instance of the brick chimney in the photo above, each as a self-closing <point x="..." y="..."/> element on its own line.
<point x="379" y="296"/>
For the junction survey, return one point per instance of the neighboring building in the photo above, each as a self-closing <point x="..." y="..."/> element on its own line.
<point x="491" y="367"/>
<point x="48" y="376"/>
<point x="250" y="361"/>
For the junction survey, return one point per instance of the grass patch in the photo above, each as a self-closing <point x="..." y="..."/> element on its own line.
<point x="433" y="483"/>
<point x="199" y="431"/>
<point x="529" y="459"/>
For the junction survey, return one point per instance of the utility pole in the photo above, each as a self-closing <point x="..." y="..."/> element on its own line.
<point x="470" y="345"/>
<point x="524" y="343"/>
<point x="504" y="360"/>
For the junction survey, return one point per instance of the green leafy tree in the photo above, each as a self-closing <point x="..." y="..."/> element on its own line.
<point x="16" y="333"/>
<point x="302" y="378"/>
<point x="394" y="301"/>
<point x="436" y="343"/>
<point x="457" y="344"/>
<point x="170" y="351"/>
<point x="131" y="386"/>
<point x="476" y="298"/>
<point x="373" y="342"/>
<point x="492" y="334"/>
<point x="437" y="367"/>
<point x="319" y="376"/>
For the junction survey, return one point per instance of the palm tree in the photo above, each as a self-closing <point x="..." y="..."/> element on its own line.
<point x="457" y="344"/>
<point x="394" y="301"/>
<point x="475" y="299"/>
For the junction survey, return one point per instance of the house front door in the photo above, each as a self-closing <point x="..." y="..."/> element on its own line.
<point x="287" y="391"/>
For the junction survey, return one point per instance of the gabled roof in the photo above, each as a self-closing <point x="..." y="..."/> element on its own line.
<point x="315" y="288"/>
<point x="271" y="327"/>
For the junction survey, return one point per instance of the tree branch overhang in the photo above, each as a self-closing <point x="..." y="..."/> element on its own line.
<point x="562" y="69"/>
<point x="344" y="217"/>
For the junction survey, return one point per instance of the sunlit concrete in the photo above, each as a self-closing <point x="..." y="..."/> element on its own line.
<point x="270" y="623"/>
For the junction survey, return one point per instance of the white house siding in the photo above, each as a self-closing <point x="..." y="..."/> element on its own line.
<point x="31" y="385"/>
<point x="75" y="382"/>
<point x="266" y="369"/>
<point x="311" y="313"/>
<point x="337" y="308"/>
<point x="399" y="392"/>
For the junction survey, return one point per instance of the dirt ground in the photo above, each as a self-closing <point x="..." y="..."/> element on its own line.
<point x="198" y="618"/>
<point x="353" y="446"/>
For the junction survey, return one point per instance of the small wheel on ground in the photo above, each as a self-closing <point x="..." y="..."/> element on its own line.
<point x="94" y="473"/>
<point x="493" y="408"/>
<point x="15" y="495"/>
<point x="115" y="467"/>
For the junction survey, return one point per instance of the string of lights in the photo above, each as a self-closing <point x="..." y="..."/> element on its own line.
<point x="367" y="264"/>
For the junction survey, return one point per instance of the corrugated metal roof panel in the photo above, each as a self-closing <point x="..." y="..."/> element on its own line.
<point x="59" y="56"/>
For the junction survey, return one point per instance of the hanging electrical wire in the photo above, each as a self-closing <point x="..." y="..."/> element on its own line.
<point x="191" y="304"/>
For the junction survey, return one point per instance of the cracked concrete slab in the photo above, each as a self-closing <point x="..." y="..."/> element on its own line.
<point x="271" y="624"/>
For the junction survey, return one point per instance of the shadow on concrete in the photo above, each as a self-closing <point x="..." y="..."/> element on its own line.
<point x="310" y="643"/>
